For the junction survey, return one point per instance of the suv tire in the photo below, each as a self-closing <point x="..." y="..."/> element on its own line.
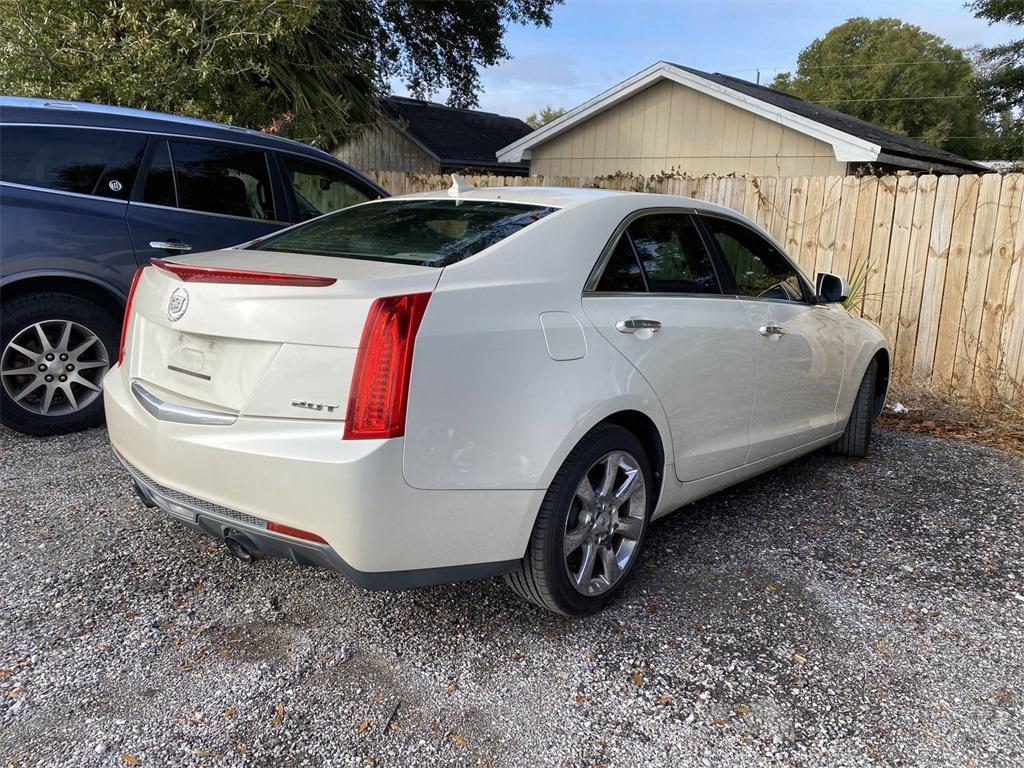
<point x="80" y="345"/>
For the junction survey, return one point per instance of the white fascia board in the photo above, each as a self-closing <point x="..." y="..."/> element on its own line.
<point x="846" y="147"/>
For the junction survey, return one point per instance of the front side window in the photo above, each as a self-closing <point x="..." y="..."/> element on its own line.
<point x="318" y="187"/>
<point x="221" y="178"/>
<point x="672" y="254"/>
<point x="83" y="160"/>
<point x="761" y="271"/>
<point x="430" y="233"/>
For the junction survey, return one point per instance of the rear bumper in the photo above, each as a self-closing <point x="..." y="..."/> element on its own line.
<point x="380" y="532"/>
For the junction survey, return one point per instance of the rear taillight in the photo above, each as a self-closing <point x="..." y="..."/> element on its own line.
<point x="298" y="533"/>
<point x="128" y="314"/>
<point x="380" y="382"/>
<point x="193" y="274"/>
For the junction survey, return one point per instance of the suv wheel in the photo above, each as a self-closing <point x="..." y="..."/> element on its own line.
<point x="591" y="527"/>
<point x="55" y="349"/>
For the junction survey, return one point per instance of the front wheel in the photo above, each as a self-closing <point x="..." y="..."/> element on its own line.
<point x="591" y="526"/>
<point x="54" y="351"/>
<point x="856" y="439"/>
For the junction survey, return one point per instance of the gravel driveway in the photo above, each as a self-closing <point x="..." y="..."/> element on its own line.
<point x="832" y="612"/>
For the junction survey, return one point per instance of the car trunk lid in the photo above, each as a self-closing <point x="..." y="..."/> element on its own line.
<point x="265" y="340"/>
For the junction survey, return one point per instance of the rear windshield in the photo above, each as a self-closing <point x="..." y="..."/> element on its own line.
<point x="430" y="233"/>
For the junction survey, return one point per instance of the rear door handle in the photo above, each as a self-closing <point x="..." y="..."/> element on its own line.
<point x="635" y="324"/>
<point x="169" y="245"/>
<point x="772" y="330"/>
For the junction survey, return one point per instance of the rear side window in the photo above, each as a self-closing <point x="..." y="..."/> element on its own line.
<point x="430" y="233"/>
<point x="673" y="255"/>
<point x="622" y="272"/>
<point x="318" y="187"/>
<point x="221" y="178"/>
<point x="760" y="269"/>
<point x="83" y="160"/>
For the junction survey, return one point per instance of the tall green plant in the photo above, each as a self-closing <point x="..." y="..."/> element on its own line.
<point x="857" y="282"/>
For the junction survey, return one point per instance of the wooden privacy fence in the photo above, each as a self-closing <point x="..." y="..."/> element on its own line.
<point x="943" y="257"/>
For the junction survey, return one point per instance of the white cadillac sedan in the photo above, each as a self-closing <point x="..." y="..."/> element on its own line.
<point x="456" y="385"/>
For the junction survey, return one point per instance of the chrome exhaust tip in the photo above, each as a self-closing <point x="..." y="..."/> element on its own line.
<point x="240" y="548"/>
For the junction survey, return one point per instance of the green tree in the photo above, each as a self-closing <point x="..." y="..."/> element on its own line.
<point x="545" y="116"/>
<point x="1002" y="81"/>
<point x="895" y="75"/>
<point x="313" y="69"/>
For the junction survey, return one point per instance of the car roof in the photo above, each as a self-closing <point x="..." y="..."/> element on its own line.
<point x="19" y="109"/>
<point x="571" y="197"/>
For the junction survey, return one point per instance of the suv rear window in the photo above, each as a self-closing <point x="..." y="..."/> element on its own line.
<point x="431" y="233"/>
<point x="83" y="160"/>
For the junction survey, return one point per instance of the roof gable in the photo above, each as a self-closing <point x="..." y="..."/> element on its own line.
<point x="852" y="140"/>
<point x="455" y="137"/>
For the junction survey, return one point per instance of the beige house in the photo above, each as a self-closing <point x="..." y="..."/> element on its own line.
<point x="674" y="118"/>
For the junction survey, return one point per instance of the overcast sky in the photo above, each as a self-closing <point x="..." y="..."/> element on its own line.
<point x="593" y="44"/>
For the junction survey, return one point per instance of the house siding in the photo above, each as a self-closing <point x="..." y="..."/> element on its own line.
<point x="670" y="126"/>
<point x="384" y="148"/>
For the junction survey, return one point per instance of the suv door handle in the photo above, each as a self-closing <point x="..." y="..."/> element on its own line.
<point x="635" y="324"/>
<point x="170" y="245"/>
<point x="772" y="330"/>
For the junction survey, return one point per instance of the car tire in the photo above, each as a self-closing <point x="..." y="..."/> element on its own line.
<point x="856" y="439"/>
<point x="611" y="537"/>
<point x="83" y="340"/>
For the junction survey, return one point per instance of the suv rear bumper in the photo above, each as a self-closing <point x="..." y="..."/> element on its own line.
<point x="380" y="532"/>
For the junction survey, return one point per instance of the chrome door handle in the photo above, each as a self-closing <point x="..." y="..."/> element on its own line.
<point x="772" y="330"/>
<point x="170" y="245"/>
<point x="635" y="324"/>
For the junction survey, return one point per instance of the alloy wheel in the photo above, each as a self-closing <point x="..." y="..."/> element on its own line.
<point x="605" y="523"/>
<point x="54" y="367"/>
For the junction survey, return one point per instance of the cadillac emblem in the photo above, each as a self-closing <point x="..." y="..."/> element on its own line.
<point x="177" y="305"/>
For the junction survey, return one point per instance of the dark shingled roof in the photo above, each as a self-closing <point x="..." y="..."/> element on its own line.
<point x="458" y="138"/>
<point x="891" y="143"/>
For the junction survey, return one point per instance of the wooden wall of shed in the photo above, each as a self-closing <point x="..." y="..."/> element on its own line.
<point x="384" y="148"/>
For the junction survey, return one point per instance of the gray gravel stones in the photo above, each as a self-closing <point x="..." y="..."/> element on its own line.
<point x="832" y="612"/>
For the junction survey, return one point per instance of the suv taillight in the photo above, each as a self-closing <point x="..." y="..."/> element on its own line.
<point x="128" y="314"/>
<point x="380" y="382"/>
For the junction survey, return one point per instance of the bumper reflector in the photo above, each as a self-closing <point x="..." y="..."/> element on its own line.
<point x="298" y="533"/>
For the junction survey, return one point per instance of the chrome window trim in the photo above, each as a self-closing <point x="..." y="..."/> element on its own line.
<point x="208" y="213"/>
<point x="34" y="188"/>
<point x="658" y="294"/>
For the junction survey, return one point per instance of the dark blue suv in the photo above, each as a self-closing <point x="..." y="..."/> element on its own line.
<point x="89" y="193"/>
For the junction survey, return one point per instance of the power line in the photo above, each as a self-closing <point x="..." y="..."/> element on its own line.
<point x="891" y="98"/>
<point x="839" y="66"/>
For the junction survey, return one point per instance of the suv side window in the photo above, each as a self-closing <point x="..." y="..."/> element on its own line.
<point x="672" y="254"/>
<point x="221" y="178"/>
<point x="83" y="160"/>
<point x="158" y="188"/>
<point x="318" y="187"/>
<point x="761" y="270"/>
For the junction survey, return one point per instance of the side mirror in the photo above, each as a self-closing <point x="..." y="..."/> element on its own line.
<point x="830" y="288"/>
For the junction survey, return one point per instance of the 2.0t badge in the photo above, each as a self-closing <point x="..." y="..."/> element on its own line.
<point x="177" y="305"/>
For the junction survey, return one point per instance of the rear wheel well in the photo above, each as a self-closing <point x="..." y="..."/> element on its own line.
<point x="647" y="433"/>
<point x="102" y="297"/>
<point x="881" y="383"/>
